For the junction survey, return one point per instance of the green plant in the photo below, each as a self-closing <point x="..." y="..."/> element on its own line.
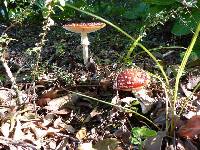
<point x="2" y="79"/>
<point x="15" y="10"/>
<point x="63" y="75"/>
<point x="48" y="9"/>
<point x="138" y="135"/>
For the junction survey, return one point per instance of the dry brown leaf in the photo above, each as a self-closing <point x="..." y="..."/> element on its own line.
<point x="5" y="129"/>
<point x="51" y="93"/>
<point x="69" y="129"/>
<point x="86" y="146"/>
<point x="43" y="101"/>
<point x="52" y="144"/>
<point x="57" y="103"/>
<point x="39" y="133"/>
<point x="52" y="131"/>
<point x="191" y="129"/>
<point x="61" y="112"/>
<point x="48" y="119"/>
<point x="92" y="114"/>
<point x="6" y="96"/>
<point x="154" y="143"/>
<point x="107" y="144"/>
<point x="59" y="124"/>
<point x="122" y="134"/>
<point x="81" y="134"/>
<point x="18" y="134"/>
<point x="62" y="145"/>
<point x="29" y="136"/>
<point x="190" y="114"/>
<point x="105" y="83"/>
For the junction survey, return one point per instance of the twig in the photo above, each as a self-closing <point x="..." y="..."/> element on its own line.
<point x="12" y="79"/>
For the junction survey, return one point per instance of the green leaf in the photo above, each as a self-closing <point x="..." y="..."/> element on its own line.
<point x="148" y="133"/>
<point x="136" y="131"/>
<point x="135" y="102"/>
<point x="45" y="12"/>
<point x="143" y="132"/>
<point x="135" y="141"/>
<point x="186" y="24"/>
<point x="40" y="3"/>
<point x="160" y="2"/>
<point x="139" y="10"/>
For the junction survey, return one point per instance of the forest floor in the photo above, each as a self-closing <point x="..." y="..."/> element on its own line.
<point x="69" y="105"/>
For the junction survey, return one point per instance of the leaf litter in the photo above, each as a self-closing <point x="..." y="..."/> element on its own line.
<point x="52" y="117"/>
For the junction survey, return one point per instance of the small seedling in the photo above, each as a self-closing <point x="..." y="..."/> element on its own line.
<point x="139" y="134"/>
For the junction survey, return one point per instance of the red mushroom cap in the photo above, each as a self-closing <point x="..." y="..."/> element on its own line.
<point x="132" y="79"/>
<point x="84" y="27"/>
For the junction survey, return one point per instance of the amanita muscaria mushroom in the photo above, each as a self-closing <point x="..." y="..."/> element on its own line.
<point x="134" y="80"/>
<point x="84" y="29"/>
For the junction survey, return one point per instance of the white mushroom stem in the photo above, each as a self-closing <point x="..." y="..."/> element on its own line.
<point x="85" y="42"/>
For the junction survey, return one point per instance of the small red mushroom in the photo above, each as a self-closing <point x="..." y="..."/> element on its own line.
<point x="132" y="80"/>
<point x="135" y="80"/>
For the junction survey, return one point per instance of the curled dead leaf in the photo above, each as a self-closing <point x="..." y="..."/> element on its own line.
<point x="191" y="129"/>
<point x="81" y="134"/>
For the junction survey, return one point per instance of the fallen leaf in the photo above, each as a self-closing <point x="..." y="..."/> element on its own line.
<point x="51" y="93"/>
<point x="146" y="102"/>
<point x="86" y="146"/>
<point x="192" y="81"/>
<point x="154" y="143"/>
<point x="52" y="131"/>
<point x="105" y="83"/>
<point x="124" y="135"/>
<point x="81" y="134"/>
<point x="62" y="145"/>
<point x="43" y="101"/>
<point x="18" y="134"/>
<point x="58" y="123"/>
<point x="39" y="133"/>
<point x="93" y="113"/>
<point x="69" y="129"/>
<point x="6" y="96"/>
<point x="61" y="112"/>
<point x="107" y="144"/>
<point x="57" y="103"/>
<point x="5" y="127"/>
<point x="191" y="129"/>
<point x="48" y="119"/>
